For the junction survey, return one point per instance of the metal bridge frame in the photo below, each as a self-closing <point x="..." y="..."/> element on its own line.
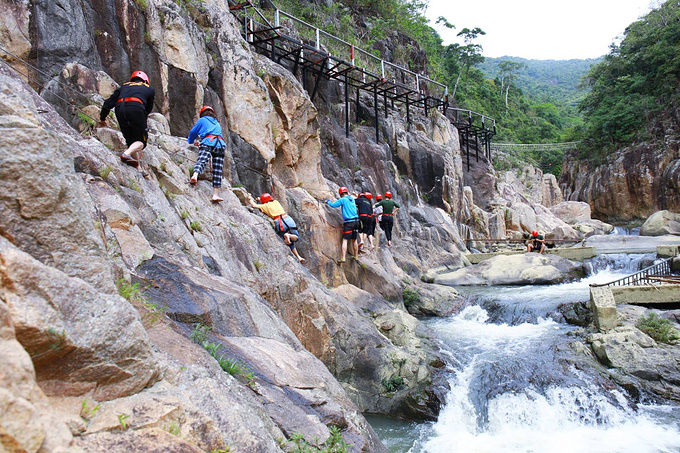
<point x="358" y="70"/>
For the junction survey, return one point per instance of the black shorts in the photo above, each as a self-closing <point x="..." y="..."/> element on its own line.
<point x="366" y="223"/>
<point x="350" y="229"/>
<point x="132" y="120"/>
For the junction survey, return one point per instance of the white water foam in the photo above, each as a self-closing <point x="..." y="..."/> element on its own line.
<point x="558" y="420"/>
<point x="563" y="420"/>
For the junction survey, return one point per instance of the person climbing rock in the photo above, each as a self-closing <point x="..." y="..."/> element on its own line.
<point x="365" y="210"/>
<point x="284" y="225"/>
<point x="350" y="225"/>
<point x="370" y="231"/>
<point x="390" y="208"/>
<point x="133" y="101"/>
<point x="377" y="216"/>
<point x="536" y="242"/>
<point x="207" y="135"/>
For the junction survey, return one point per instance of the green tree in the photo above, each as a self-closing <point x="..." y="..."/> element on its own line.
<point x="637" y="84"/>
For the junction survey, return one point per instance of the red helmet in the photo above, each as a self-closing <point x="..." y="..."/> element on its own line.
<point x="140" y="75"/>
<point x="534" y="233"/>
<point x="266" y="198"/>
<point x="378" y="197"/>
<point x="388" y="194"/>
<point x="342" y="190"/>
<point x="206" y="107"/>
<point x="368" y="195"/>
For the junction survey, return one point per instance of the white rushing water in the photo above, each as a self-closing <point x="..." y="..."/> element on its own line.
<point x="512" y="391"/>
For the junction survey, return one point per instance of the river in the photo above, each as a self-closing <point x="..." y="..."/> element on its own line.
<point x="518" y="386"/>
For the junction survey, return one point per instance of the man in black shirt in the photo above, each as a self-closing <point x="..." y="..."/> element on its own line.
<point x="133" y="101"/>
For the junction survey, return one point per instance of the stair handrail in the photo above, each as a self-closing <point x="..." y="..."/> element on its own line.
<point x="636" y="279"/>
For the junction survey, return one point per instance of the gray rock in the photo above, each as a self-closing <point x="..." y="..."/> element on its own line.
<point x="44" y="211"/>
<point x="526" y="269"/>
<point x="108" y="355"/>
<point x="661" y="223"/>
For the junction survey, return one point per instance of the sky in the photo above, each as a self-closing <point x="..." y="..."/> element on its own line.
<point x="540" y="29"/>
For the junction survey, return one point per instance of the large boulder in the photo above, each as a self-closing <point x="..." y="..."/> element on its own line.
<point x="525" y="269"/>
<point x="631" y="351"/>
<point x="572" y="212"/>
<point x="661" y="223"/>
<point x="26" y="423"/>
<point x="109" y="355"/>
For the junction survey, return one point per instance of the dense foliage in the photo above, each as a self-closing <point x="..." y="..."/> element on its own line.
<point x="636" y="86"/>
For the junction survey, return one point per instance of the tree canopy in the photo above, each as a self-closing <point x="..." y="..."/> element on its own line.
<point x="636" y="87"/>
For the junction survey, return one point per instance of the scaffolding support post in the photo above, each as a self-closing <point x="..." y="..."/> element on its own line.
<point x="346" y="106"/>
<point x="377" y="119"/>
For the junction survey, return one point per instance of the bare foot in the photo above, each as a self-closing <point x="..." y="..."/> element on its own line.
<point x="216" y="199"/>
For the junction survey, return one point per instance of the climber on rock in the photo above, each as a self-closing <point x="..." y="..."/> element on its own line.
<point x="133" y="101"/>
<point x="284" y="225"/>
<point x="365" y="210"/>
<point x="536" y="242"/>
<point x="377" y="217"/>
<point x="351" y="223"/>
<point x="390" y="208"/>
<point x="207" y="135"/>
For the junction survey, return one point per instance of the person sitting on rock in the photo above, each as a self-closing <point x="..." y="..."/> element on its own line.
<point x="536" y="242"/>
<point x="390" y="208"/>
<point x="133" y="101"/>
<point x="284" y="225"/>
<point x="351" y="224"/>
<point x="365" y="210"/>
<point x="207" y="135"/>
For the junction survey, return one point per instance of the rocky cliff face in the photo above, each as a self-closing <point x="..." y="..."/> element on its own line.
<point x="308" y="347"/>
<point x="318" y="348"/>
<point x="630" y="185"/>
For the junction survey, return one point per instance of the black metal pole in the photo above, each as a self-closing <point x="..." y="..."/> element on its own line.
<point x="377" y="119"/>
<point x="467" y="147"/>
<point x="408" y="114"/>
<point x="346" y="106"/>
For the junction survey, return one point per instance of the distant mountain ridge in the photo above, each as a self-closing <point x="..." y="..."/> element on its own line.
<point x="554" y="81"/>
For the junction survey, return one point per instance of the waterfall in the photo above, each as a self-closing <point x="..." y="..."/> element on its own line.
<point x="521" y="382"/>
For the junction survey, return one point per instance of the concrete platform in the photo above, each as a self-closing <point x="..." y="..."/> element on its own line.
<point x="573" y="253"/>
<point x="663" y="293"/>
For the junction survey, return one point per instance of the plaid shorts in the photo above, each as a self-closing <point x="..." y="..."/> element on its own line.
<point x="217" y="154"/>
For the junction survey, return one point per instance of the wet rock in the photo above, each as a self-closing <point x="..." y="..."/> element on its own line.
<point x="661" y="223"/>
<point x="526" y="269"/>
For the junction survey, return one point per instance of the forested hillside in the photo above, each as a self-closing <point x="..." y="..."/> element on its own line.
<point x="635" y="91"/>
<point x="532" y="104"/>
<point x="558" y="82"/>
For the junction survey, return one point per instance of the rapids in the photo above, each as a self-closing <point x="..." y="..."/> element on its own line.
<point x="517" y="385"/>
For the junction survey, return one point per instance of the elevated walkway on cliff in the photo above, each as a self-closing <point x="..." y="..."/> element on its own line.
<point x="319" y="55"/>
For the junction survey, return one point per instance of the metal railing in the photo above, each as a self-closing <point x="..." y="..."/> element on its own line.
<point x="642" y="277"/>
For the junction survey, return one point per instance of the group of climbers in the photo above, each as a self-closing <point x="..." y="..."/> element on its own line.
<point x="360" y="217"/>
<point x="133" y="102"/>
